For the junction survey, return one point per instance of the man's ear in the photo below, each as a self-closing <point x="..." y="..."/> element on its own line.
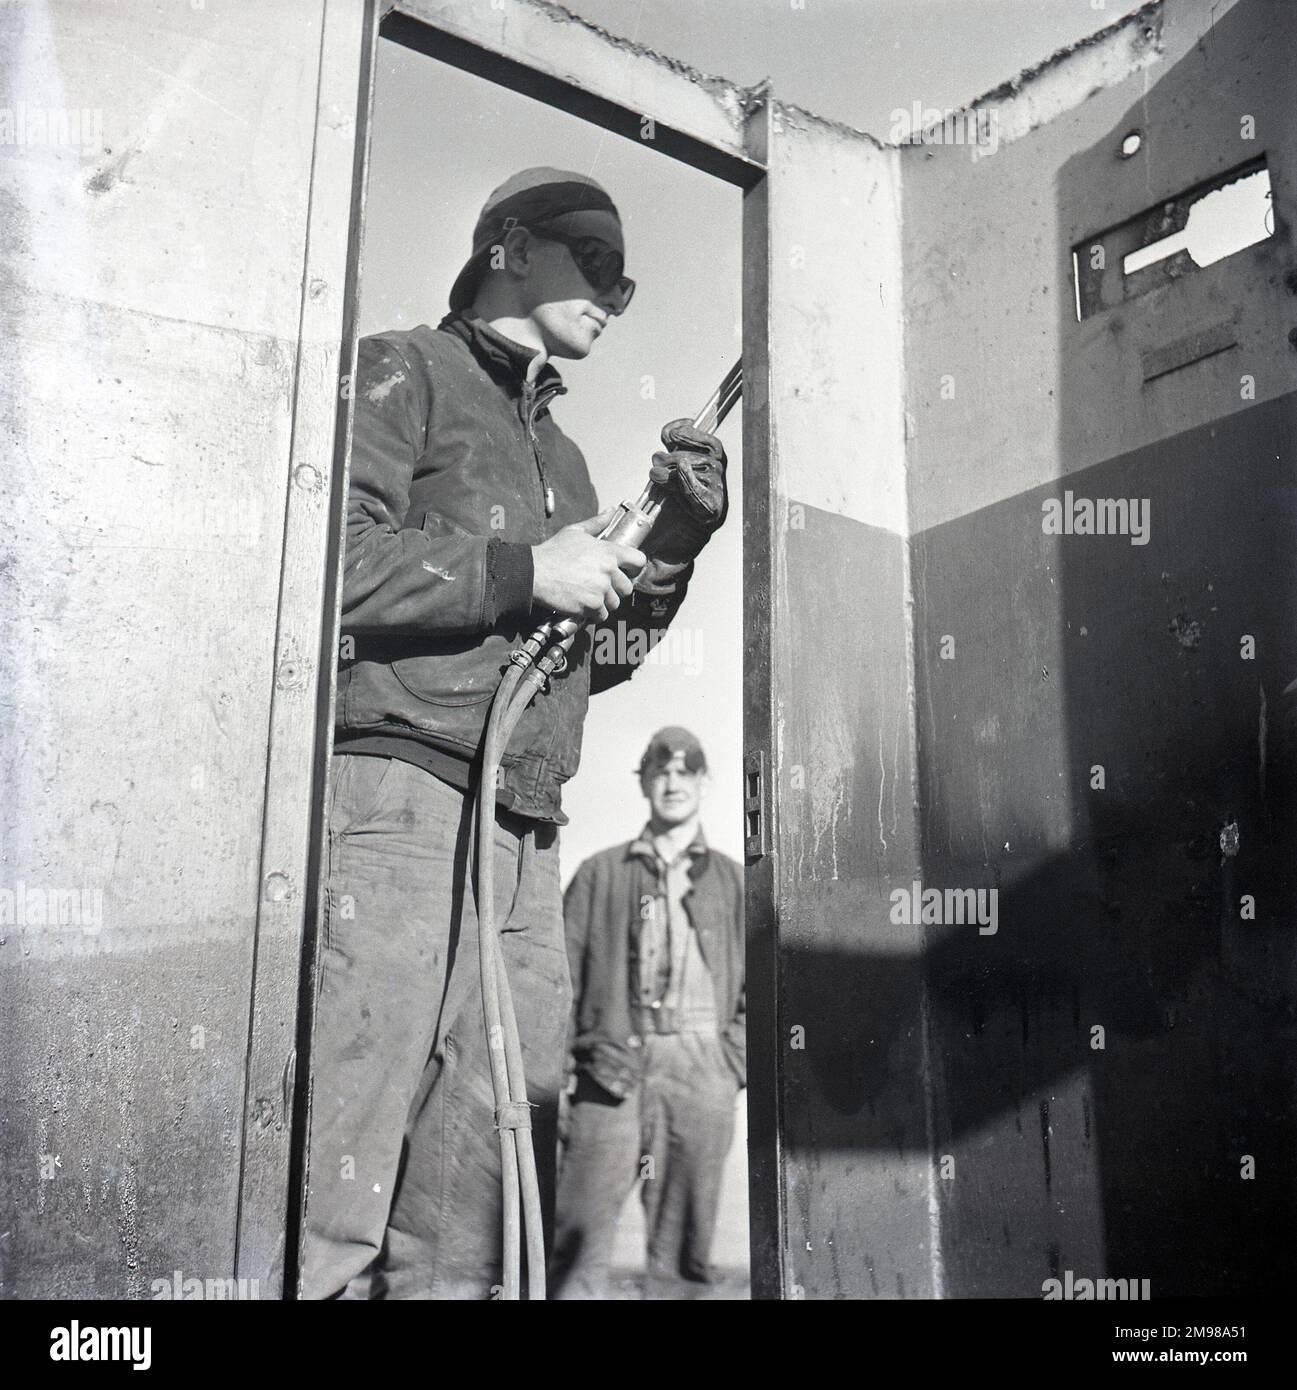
<point x="516" y="251"/>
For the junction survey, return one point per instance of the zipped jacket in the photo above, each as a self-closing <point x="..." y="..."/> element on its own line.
<point x="457" y="470"/>
<point x="603" y="915"/>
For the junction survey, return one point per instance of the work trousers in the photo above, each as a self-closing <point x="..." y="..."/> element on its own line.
<point x="671" y="1134"/>
<point x="404" y="1191"/>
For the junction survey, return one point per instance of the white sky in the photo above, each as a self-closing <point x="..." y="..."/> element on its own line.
<point x="442" y="140"/>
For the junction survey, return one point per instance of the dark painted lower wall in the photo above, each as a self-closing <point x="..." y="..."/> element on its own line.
<point x="854" y="1098"/>
<point x="1118" y="907"/>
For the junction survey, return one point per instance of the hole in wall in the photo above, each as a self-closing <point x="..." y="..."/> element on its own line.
<point x="1220" y="224"/>
<point x="1208" y="222"/>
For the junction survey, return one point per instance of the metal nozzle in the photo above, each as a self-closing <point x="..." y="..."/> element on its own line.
<point x="722" y="402"/>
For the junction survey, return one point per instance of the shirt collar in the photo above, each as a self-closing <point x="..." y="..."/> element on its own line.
<point x="499" y="354"/>
<point x="642" y="847"/>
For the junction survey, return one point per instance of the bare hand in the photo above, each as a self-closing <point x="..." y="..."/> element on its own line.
<point x="579" y="576"/>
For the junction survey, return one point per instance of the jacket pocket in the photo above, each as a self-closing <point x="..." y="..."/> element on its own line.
<point x="460" y="672"/>
<point x="434" y="524"/>
<point x="457" y="671"/>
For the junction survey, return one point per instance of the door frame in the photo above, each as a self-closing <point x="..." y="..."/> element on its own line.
<point x="715" y="128"/>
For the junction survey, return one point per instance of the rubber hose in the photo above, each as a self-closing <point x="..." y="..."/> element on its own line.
<point x="489" y="961"/>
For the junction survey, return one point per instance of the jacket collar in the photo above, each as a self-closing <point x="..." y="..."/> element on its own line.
<point x="501" y="356"/>
<point x="642" y="847"/>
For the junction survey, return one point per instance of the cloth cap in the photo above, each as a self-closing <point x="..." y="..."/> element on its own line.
<point x="666" y="743"/>
<point x="558" y="198"/>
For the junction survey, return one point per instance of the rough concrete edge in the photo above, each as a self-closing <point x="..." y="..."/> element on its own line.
<point x="740" y="102"/>
<point x="1014" y="86"/>
<point x="800" y="118"/>
<point x="737" y="101"/>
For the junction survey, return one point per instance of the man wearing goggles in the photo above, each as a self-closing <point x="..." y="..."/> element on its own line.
<point x="470" y="517"/>
<point x="600" y="263"/>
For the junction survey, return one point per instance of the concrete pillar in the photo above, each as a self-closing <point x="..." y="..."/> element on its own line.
<point x="170" y="362"/>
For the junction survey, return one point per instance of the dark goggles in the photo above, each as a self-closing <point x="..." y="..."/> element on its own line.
<point x="600" y="263"/>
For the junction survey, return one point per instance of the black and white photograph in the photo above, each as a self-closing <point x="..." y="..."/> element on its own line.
<point x="648" y="652"/>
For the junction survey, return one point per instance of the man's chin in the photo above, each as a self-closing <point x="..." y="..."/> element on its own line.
<point x="573" y="352"/>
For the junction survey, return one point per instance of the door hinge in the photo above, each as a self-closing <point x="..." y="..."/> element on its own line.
<point x="756" y="811"/>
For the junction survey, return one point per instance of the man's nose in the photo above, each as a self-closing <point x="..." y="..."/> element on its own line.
<point x="612" y="301"/>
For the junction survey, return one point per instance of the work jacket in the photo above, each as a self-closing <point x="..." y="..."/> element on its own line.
<point x="602" y="911"/>
<point x="454" y="455"/>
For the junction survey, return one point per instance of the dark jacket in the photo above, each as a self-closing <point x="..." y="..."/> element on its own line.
<point x="602" y="912"/>
<point x="452" y="454"/>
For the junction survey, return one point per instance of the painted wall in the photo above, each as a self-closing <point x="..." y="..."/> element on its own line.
<point x="848" y="1047"/>
<point x="1041" y="658"/>
<point x="1101" y="1083"/>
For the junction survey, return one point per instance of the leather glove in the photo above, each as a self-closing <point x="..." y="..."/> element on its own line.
<point x="696" y="502"/>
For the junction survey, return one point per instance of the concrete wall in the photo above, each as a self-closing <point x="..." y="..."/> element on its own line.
<point x="929" y="1115"/>
<point x="1117" y="907"/>
<point x="168" y="335"/>
<point x="848" y="1046"/>
<point x="945" y="677"/>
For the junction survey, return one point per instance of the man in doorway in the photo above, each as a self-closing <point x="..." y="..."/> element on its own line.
<point x="655" y="940"/>
<point x="470" y="518"/>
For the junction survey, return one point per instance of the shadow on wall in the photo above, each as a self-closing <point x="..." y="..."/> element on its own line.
<point x="1113" y="1069"/>
<point x="1190" y="719"/>
<point x="1176" y="770"/>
